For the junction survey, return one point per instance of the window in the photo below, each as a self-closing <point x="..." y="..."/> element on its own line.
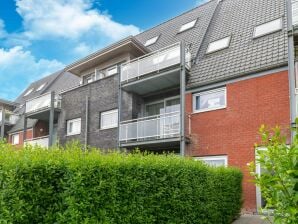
<point x="187" y="26"/>
<point x="109" y="119"/>
<point x="15" y="139"/>
<point x="219" y="45"/>
<point x="151" y="41"/>
<point x="112" y="71"/>
<point x="214" y="160"/>
<point x="28" y="92"/>
<point x="74" y="126"/>
<point x="209" y="100"/>
<point x="268" y="28"/>
<point x="40" y="87"/>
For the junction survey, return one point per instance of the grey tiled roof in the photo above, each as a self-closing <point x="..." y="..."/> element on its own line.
<point x="237" y="18"/>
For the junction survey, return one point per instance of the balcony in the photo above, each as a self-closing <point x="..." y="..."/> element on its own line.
<point x="295" y="12"/>
<point x="160" y="69"/>
<point x="10" y="118"/>
<point x="41" y="141"/>
<point x="160" y="128"/>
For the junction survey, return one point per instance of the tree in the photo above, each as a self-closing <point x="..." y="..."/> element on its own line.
<point x="278" y="184"/>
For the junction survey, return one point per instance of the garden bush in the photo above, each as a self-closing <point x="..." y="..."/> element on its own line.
<point x="75" y="186"/>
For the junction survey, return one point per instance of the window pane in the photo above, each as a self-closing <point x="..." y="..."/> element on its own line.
<point x="211" y="100"/>
<point x="187" y="26"/>
<point x="109" y="119"/>
<point x="215" y="162"/>
<point x="151" y="41"/>
<point x="74" y="126"/>
<point x="155" y="109"/>
<point x="218" y="45"/>
<point x="112" y="71"/>
<point x="269" y="27"/>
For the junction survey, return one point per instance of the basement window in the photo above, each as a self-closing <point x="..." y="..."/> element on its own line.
<point x="268" y="28"/>
<point x="74" y="127"/>
<point x="151" y="41"/>
<point x="219" y="45"/>
<point x="210" y="100"/>
<point x="15" y="139"/>
<point x="109" y="119"/>
<point x="216" y="161"/>
<point x="187" y="26"/>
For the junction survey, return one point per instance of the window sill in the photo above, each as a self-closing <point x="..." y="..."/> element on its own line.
<point x="207" y="110"/>
<point x="107" y="128"/>
<point x="68" y="135"/>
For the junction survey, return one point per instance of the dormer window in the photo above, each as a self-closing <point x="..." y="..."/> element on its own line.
<point x="151" y="41"/>
<point x="29" y="91"/>
<point x="219" y="45"/>
<point x="187" y="26"/>
<point x="40" y="87"/>
<point x="267" y="28"/>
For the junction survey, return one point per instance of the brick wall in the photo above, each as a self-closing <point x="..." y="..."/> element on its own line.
<point x="234" y="130"/>
<point x="29" y="135"/>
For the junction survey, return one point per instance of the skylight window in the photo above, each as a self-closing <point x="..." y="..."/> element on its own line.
<point x="28" y="92"/>
<point x="188" y="26"/>
<point x="151" y="41"/>
<point x="219" y="45"/>
<point x="268" y="28"/>
<point x="40" y="87"/>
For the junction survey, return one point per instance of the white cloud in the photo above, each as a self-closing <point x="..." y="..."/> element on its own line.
<point x="19" y="67"/>
<point x="68" y="19"/>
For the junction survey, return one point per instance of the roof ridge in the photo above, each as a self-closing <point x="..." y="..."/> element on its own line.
<point x="168" y="20"/>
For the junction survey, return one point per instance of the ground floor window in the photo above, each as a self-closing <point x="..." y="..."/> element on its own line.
<point x="109" y="119"/>
<point x="214" y="160"/>
<point x="15" y="139"/>
<point x="74" y="126"/>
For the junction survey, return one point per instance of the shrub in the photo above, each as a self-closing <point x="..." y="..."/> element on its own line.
<point x="279" y="184"/>
<point x="73" y="186"/>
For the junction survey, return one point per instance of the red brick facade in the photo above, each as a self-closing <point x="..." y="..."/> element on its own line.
<point x="234" y="130"/>
<point x="29" y="135"/>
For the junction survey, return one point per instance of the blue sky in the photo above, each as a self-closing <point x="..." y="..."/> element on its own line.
<point x="38" y="37"/>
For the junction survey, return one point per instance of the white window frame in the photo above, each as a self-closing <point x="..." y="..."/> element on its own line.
<point x="255" y="35"/>
<point x="195" y="95"/>
<point x="188" y="26"/>
<point x="210" y="45"/>
<point x="102" y="127"/>
<point x="13" y="139"/>
<point x="29" y="91"/>
<point x="208" y="158"/>
<point x="151" y="41"/>
<point x="73" y="121"/>
<point x="113" y="70"/>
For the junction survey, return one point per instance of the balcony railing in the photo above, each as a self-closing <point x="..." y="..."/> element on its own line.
<point x="10" y="118"/>
<point x="41" y="141"/>
<point x="295" y="12"/>
<point x="42" y="102"/>
<point x="154" y="127"/>
<point x="152" y="62"/>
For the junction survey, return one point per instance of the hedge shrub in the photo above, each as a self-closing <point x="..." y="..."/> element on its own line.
<point x="73" y="186"/>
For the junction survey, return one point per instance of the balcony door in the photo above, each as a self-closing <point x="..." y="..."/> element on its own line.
<point x="166" y="116"/>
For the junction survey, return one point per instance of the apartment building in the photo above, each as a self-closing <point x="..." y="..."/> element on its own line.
<point x="38" y="108"/>
<point x="199" y="85"/>
<point x="7" y="117"/>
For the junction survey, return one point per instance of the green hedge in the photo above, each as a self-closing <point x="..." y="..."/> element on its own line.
<point x="71" y="186"/>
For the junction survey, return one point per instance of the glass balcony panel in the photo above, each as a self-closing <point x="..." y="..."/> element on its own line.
<point x="295" y="12"/>
<point x="42" y="141"/>
<point x="41" y="103"/>
<point x="153" y="127"/>
<point x="152" y="62"/>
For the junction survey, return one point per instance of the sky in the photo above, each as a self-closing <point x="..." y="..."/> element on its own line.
<point x="39" y="37"/>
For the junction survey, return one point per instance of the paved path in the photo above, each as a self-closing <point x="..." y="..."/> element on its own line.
<point x="250" y="219"/>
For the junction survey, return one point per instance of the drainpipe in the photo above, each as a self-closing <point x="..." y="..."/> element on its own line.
<point x="182" y="98"/>
<point x="86" y="122"/>
<point x="51" y="120"/>
<point x="291" y="64"/>
<point x="119" y="106"/>
<point x="2" y="122"/>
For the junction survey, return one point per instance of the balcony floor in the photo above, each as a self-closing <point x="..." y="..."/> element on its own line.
<point x="44" y="114"/>
<point x="153" y="82"/>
